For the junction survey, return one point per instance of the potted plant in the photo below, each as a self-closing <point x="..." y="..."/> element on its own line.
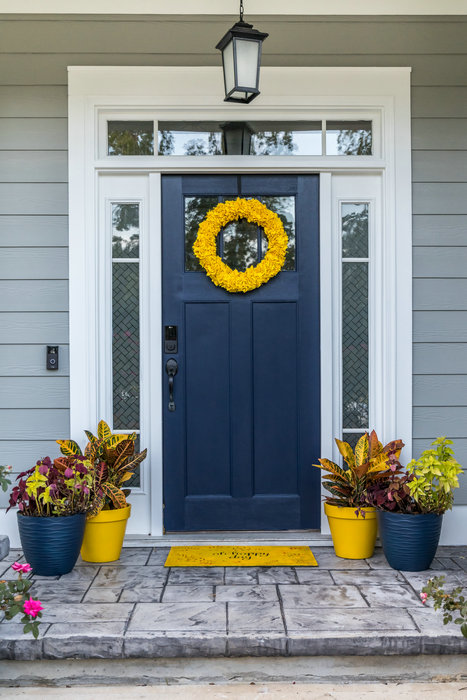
<point x="410" y="507"/>
<point x="52" y="505"/>
<point x="353" y="524"/>
<point x="114" y="462"/>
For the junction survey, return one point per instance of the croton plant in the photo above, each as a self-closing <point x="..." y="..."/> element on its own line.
<point x="114" y="461"/>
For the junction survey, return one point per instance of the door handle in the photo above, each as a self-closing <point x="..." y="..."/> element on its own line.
<point x="171" y="368"/>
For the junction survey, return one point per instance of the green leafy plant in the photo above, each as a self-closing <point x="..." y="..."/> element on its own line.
<point x="452" y="603"/>
<point x="114" y="462"/>
<point x="4" y="480"/>
<point x="369" y="463"/>
<point x="436" y="475"/>
<point x="14" y="600"/>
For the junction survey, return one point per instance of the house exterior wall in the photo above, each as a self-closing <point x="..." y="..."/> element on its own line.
<point x="34" y="55"/>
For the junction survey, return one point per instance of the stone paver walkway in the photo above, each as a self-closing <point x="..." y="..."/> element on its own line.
<point x="137" y="608"/>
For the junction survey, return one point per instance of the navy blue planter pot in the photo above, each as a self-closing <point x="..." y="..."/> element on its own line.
<point x="409" y="540"/>
<point x="51" y="544"/>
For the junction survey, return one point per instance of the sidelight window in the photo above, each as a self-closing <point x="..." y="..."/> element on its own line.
<point x="355" y="350"/>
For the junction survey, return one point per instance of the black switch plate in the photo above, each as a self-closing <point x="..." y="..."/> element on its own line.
<point x="52" y="357"/>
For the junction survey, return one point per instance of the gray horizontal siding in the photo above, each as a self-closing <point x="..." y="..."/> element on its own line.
<point x="440" y="294"/>
<point x="439" y="166"/>
<point x="33" y="198"/>
<point x="431" y="358"/>
<point x="443" y="261"/>
<point x="34" y="166"/>
<point x="440" y="389"/>
<point x="310" y="35"/>
<point x="33" y="263"/>
<point x="33" y="100"/>
<point x="34" y="134"/>
<point x="439" y="134"/>
<point x="440" y="230"/>
<point x="30" y="328"/>
<point x="34" y="423"/>
<point x="33" y="295"/>
<point x="34" y="392"/>
<point x="23" y="454"/>
<point x="439" y="327"/>
<point x="33" y="230"/>
<point x="33" y="195"/>
<point x="29" y="361"/>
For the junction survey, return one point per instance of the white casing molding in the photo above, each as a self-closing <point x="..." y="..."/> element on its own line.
<point x="176" y="93"/>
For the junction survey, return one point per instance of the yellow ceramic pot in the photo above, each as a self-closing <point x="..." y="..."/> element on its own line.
<point x="353" y="536"/>
<point x="103" y="535"/>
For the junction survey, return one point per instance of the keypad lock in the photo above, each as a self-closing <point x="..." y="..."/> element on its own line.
<point x="171" y="340"/>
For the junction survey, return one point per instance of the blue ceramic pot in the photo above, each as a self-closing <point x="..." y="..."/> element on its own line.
<point x="409" y="540"/>
<point x="51" y="544"/>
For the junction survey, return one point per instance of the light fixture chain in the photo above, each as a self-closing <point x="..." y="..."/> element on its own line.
<point x="241" y="10"/>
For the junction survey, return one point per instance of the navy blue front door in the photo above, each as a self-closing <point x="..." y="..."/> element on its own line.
<point x="239" y="446"/>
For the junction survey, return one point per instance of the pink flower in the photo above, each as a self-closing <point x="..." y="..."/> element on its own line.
<point x="68" y="473"/>
<point x="32" y="607"/>
<point x="423" y="597"/>
<point x="21" y="568"/>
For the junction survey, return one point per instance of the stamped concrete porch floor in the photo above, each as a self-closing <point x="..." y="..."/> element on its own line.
<point x="137" y="608"/>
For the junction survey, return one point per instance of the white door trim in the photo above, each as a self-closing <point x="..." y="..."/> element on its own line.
<point x="291" y="93"/>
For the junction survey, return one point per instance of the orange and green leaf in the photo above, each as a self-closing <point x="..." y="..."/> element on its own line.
<point x="115" y="494"/>
<point x="69" y="447"/>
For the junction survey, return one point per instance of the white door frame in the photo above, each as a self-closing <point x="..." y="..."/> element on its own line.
<point x="382" y="94"/>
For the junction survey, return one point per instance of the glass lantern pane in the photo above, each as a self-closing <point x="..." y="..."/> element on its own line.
<point x="354" y="230"/>
<point x="229" y="74"/>
<point x="348" y="138"/>
<point x="247" y="63"/>
<point x="130" y="138"/>
<point x="125" y="230"/>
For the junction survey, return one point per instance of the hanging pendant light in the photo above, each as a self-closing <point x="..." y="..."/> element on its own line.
<point x="241" y="60"/>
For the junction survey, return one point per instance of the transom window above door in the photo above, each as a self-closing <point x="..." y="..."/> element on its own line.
<point x="329" y="137"/>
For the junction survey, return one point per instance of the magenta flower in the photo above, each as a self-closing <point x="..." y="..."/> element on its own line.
<point x="32" y="607"/>
<point x="423" y="597"/>
<point x="21" y="568"/>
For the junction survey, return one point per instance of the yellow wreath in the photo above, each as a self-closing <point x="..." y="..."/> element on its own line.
<point x="254" y="276"/>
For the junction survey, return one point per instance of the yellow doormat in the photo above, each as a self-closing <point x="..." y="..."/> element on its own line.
<point x="240" y="556"/>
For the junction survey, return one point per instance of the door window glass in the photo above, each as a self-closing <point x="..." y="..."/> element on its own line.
<point x="346" y="138"/>
<point x="240" y="243"/>
<point x="130" y="138"/>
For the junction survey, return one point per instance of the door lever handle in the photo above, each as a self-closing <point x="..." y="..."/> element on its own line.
<point x="171" y="368"/>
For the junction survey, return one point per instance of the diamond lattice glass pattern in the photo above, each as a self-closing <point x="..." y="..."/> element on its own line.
<point x="351" y="438"/>
<point x="354" y="230"/>
<point x="125" y="345"/>
<point x="355" y="345"/>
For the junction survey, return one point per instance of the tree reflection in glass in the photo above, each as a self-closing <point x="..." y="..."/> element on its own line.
<point x="125" y="230"/>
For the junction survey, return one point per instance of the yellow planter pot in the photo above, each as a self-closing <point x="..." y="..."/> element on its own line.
<point x="103" y="536"/>
<point x="353" y="537"/>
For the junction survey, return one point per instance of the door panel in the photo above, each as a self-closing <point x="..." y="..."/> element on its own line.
<point x="239" y="446"/>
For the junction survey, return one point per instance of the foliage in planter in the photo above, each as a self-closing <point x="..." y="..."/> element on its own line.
<point x="14" y="600"/>
<point x="4" y="480"/>
<point x="370" y="463"/>
<point x="45" y="490"/>
<point x="393" y="494"/>
<point x="435" y="475"/>
<point x="452" y="603"/>
<point x="114" y="462"/>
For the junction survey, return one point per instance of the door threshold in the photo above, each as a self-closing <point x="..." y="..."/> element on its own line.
<point x="289" y="538"/>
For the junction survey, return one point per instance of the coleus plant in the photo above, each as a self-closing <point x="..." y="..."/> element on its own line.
<point x="114" y="462"/>
<point x="371" y="462"/>
<point x="44" y="490"/>
<point x="393" y="494"/>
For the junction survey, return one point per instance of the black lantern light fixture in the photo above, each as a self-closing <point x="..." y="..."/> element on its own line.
<point x="241" y="60"/>
<point x="236" y="138"/>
